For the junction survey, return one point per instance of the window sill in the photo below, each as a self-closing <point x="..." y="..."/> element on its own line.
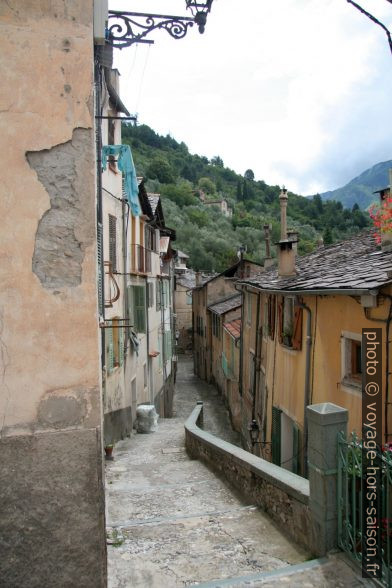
<point x="352" y="384"/>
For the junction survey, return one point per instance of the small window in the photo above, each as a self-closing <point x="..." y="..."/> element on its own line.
<point x="290" y="323"/>
<point x="351" y="359"/>
<point x="113" y="242"/>
<point x="189" y="298"/>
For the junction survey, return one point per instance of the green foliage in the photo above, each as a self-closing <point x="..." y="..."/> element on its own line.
<point x="249" y="175"/>
<point x="207" y="185"/>
<point x="161" y="170"/>
<point x="210" y="239"/>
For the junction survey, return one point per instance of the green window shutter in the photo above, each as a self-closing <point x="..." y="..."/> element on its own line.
<point x="296" y="449"/>
<point x="130" y="309"/>
<point x="109" y="350"/>
<point x="139" y="297"/>
<point x="121" y="344"/>
<point x="276" y="435"/>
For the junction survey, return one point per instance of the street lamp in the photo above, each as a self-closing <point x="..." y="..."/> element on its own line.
<point x="127" y="28"/>
<point x="254" y="430"/>
<point x="199" y="11"/>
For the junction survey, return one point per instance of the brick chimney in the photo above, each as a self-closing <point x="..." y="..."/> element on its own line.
<point x="199" y="281"/>
<point x="268" y="261"/>
<point x="292" y="235"/>
<point x="286" y="247"/>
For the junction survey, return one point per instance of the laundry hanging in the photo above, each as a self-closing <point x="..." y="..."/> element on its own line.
<point x="127" y="167"/>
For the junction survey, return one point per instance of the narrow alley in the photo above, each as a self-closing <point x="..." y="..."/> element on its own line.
<point x="172" y="522"/>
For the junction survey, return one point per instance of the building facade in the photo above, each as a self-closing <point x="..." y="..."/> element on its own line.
<point x="50" y="400"/>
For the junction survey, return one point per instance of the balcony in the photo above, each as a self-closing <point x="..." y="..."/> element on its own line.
<point x="140" y="259"/>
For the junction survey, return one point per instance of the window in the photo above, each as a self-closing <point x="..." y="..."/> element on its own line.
<point x="114" y="336"/>
<point x="216" y="326"/>
<point x="189" y="298"/>
<point x="290" y="323"/>
<point x="151" y="241"/>
<point x="113" y="242"/>
<point x="351" y="349"/>
<point x="137" y="307"/>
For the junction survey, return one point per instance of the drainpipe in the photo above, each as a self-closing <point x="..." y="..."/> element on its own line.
<point x="241" y="340"/>
<point x="98" y="142"/>
<point x="307" y="382"/>
<point x="256" y="359"/>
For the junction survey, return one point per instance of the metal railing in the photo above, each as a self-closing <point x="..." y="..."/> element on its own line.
<point x="140" y="259"/>
<point x="350" y="495"/>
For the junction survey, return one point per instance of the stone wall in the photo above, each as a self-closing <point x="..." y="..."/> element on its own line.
<point x="282" y="494"/>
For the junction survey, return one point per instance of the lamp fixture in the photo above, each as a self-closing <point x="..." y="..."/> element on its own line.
<point x="128" y="28"/>
<point x="254" y="430"/>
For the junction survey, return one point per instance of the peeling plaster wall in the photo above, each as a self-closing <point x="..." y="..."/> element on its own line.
<point x="50" y="390"/>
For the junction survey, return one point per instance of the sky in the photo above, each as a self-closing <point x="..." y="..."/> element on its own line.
<point x="299" y="91"/>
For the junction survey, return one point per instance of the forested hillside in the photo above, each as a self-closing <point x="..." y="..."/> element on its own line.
<point x="209" y="238"/>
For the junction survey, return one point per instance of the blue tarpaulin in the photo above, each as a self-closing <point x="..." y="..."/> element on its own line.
<point x="127" y="167"/>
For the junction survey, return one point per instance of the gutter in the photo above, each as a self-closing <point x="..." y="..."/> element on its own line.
<point x="319" y="292"/>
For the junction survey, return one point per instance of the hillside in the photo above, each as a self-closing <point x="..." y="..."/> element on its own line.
<point x="203" y="232"/>
<point x="360" y="189"/>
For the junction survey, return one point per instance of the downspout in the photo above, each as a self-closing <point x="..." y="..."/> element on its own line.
<point x="387" y="322"/>
<point x="256" y="358"/>
<point x="98" y="141"/>
<point x="307" y="390"/>
<point x="241" y="339"/>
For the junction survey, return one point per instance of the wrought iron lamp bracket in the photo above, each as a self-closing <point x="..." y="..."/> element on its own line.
<point x="127" y="28"/>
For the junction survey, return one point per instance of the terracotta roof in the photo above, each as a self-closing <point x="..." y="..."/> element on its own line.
<point x="355" y="264"/>
<point x="224" y="306"/>
<point x="233" y="328"/>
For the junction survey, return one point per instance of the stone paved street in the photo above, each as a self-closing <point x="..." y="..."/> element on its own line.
<point x="172" y="522"/>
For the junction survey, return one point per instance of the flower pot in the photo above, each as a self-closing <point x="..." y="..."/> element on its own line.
<point x="109" y="452"/>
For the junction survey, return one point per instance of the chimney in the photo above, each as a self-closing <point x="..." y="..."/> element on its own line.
<point x="292" y="235"/>
<point x="199" y="281"/>
<point x="286" y="250"/>
<point x="283" y="214"/>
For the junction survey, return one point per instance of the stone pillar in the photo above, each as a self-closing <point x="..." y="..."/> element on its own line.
<point x="325" y="421"/>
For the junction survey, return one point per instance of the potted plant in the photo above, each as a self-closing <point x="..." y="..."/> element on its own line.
<point x="109" y="451"/>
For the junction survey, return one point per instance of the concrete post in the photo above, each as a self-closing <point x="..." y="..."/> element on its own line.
<point x="325" y="421"/>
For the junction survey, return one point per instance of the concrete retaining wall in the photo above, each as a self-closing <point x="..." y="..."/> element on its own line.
<point x="282" y="494"/>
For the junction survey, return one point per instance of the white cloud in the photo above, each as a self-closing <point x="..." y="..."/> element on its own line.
<point x="296" y="89"/>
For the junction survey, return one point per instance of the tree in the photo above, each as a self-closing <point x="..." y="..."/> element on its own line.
<point x="207" y="185"/>
<point x="217" y="161"/>
<point x="239" y="194"/>
<point x="318" y="203"/>
<point x="161" y="170"/>
<point x="328" y="239"/>
<point x="249" y="175"/>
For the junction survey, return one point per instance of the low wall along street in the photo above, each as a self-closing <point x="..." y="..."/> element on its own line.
<point x="282" y="494"/>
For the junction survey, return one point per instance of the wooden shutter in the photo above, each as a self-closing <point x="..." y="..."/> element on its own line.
<point x="139" y="306"/>
<point x="100" y="272"/>
<point x="113" y="242"/>
<point x="109" y="350"/>
<point x="271" y="315"/>
<point x="297" y="332"/>
<point x="296" y="449"/>
<point x="120" y="344"/>
<point x="276" y="435"/>
<point x="280" y="320"/>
